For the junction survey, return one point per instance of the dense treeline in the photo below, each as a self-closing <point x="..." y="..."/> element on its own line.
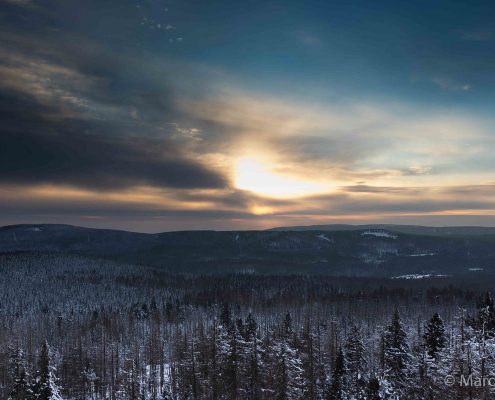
<point x="76" y="328"/>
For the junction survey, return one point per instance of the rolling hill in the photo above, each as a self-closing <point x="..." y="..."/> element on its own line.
<point x="384" y="251"/>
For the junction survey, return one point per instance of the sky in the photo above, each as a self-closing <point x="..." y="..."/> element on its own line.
<point x="152" y="115"/>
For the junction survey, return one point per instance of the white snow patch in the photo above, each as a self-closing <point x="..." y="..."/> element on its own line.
<point x="150" y="370"/>
<point x="379" y="234"/>
<point x="420" y="276"/>
<point x="323" y="237"/>
<point x="247" y="271"/>
<point x="34" y="229"/>
<point x="422" y="254"/>
<point x="475" y="269"/>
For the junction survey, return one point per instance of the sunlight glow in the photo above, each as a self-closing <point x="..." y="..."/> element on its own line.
<point x="255" y="176"/>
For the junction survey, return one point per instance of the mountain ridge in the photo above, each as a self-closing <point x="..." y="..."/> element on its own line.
<point x="355" y="252"/>
<point x="455" y="230"/>
<point x="461" y="230"/>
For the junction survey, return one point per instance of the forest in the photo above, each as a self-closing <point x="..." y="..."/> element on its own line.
<point x="74" y="327"/>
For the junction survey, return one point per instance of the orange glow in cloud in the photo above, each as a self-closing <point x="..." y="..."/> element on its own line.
<point x="253" y="175"/>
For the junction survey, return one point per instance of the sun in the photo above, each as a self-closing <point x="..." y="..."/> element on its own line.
<point x="255" y="176"/>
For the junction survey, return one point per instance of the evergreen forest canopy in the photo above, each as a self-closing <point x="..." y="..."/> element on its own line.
<point x="74" y="327"/>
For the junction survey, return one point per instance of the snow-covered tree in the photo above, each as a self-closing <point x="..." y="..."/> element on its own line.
<point x="20" y="389"/>
<point x="434" y="336"/>
<point x="44" y="386"/>
<point x="356" y="362"/>
<point x="396" y="350"/>
<point x="281" y="372"/>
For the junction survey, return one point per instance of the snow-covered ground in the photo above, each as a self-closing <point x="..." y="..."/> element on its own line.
<point x="379" y="234"/>
<point x="420" y="276"/>
<point x="323" y="237"/>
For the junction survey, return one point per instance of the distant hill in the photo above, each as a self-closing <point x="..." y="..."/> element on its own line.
<point x="409" y="229"/>
<point x="407" y="252"/>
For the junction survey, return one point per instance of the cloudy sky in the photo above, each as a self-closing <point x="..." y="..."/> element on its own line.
<point x="154" y="115"/>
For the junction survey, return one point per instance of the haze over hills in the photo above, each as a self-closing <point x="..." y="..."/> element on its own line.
<point x="410" y="229"/>
<point x="368" y="250"/>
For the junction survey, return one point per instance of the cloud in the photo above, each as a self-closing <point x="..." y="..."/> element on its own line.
<point x="70" y="157"/>
<point x="392" y="203"/>
<point x="446" y="83"/>
<point x="343" y="141"/>
<point x="418" y="170"/>
<point x="48" y="84"/>
<point x="309" y="40"/>
<point x="96" y="127"/>
<point x="381" y="189"/>
<point x="65" y="124"/>
<point x="111" y="131"/>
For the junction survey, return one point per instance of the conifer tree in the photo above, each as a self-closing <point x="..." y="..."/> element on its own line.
<point x="356" y="363"/>
<point x="225" y="316"/>
<point x="485" y="319"/>
<point x="252" y="358"/>
<point x="20" y="389"/>
<point x="434" y="336"/>
<point x="396" y="350"/>
<point x="287" y="371"/>
<point x="373" y="389"/>
<point x="309" y="359"/>
<point x="250" y="327"/>
<point x="287" y="327"/>
<point x="337" y="389"/>
<point x="234" y="363"/>
<point x="44" y="386"/>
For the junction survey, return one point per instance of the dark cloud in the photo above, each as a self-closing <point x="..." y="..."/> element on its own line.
<point x="480" y="191"/>
<point x="347" y="204"/>
<point x="380" y="189"/>
<point x="84" y="116"/>
<point x="230" y="198"/>
<point x="37" y="150"/>
<point x="115" y="210"/>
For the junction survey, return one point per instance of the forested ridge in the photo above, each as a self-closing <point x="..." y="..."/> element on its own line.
<point x="359" y="253"/>
<point x="74" y="327"/>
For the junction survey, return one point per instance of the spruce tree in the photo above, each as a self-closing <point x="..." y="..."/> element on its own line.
<point x="234" y="363"/>
<point x="252" y="358"/>
<point x="250" y="327"/>
<point x="434" y="336"/>
<point x="485" y="319"/>
<point x="288" y="381"/>
<point x="396" y="350"/>
<point x="44" y="385"/>
<point x="337" y="388"/>
<point x="231" y="362"/>
<point x="373" y="389"/>
<point x="225" y="316"/>
<point x="309" y="359"/>
<point x="356" y="363"/>
<point x="287" y="326"/>
<point x="20" y="388"/>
